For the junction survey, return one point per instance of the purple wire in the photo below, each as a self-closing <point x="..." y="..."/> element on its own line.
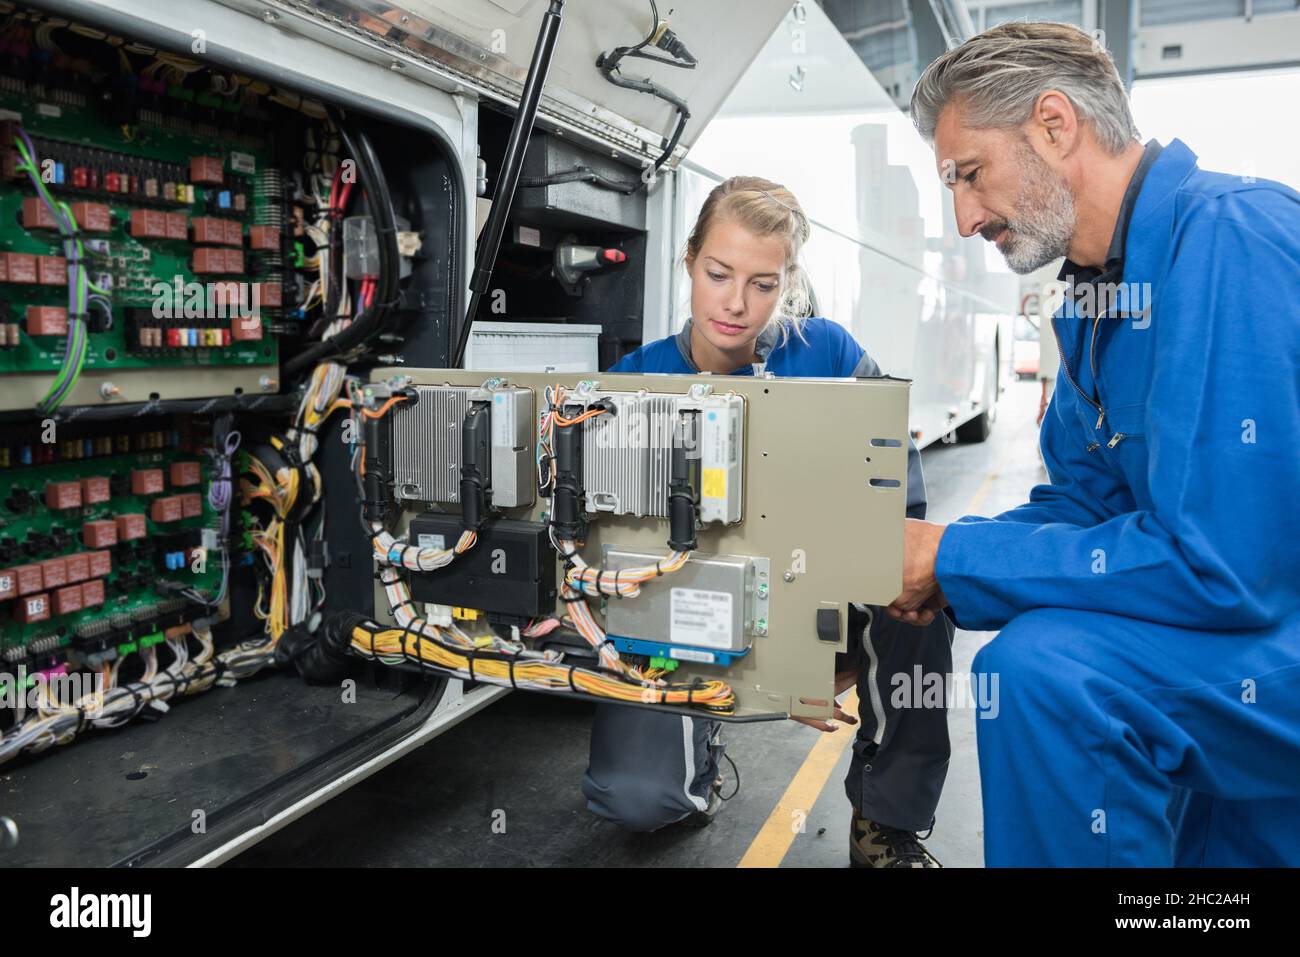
<point x="76" y="334"/>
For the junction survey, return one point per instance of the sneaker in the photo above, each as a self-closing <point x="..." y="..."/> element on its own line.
<point x="874" y="845"/>
<point x="705" y="818"/>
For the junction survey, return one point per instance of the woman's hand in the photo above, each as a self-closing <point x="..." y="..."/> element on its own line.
<point x="844" y="680"/>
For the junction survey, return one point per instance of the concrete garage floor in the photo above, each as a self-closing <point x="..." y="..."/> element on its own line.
<point x="525" y="756"/>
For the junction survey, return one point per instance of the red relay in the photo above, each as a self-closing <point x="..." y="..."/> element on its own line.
<point x="167" y="509"/>
<point x="47" y="321"/>
<point x="78" y="566"/>
<point x="29" y="578"/>
<point x="67" y="600"/>
<point x="148" y="224"/>
<point x="246" y="328"/>
<point x="131" y="526"/>
<point x="22" y="267"/>
<point x="54" y="572"/>
<point x="8" y="583"/>
<point x="60" y="495"/>
<point x="209" y="229"/>
<point x="209" y="260"/>
<point x="92" y="593"/>
<point x="191" y="504"/>
<point x="92" y="217"/>
<point x="177" y="226"/>
<point x="101" y="563"/>
<point x="101" y="533"/>
<point x="206" y="169"/>
<point x="184" y="473"/>
<point x="146" y="481"/>
<point x="269" y="294"/>
<point x="51" y="270"/>
<point x="36" y="215"/>
<point x="95" y="489"/>
<point x="32" y="608"/>
<point x="263" y="237"/>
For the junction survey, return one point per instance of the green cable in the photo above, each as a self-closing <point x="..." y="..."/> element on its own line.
<point x="78" y="337"/>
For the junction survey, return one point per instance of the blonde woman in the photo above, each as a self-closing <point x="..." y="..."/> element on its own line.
<point x="749" y="305"/>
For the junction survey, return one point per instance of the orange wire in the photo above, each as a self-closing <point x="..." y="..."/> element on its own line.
<point x="589" y="414"/>
<point x="383" y="409"/>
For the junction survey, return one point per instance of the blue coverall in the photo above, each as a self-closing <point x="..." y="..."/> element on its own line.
<point x="1149" y="597"/>
<point x="648" y="769"/>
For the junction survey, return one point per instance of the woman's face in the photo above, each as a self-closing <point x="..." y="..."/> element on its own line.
<point x="735" y="285"/>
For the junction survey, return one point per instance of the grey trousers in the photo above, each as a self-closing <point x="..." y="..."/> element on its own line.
<point x="648" y="770"/>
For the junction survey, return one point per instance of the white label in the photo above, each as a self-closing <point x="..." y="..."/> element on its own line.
<point x="690" y="654"/>
<point x="36" y="605"/>
<point x="721" y="441"/>
<point x="6" y="583"/>
<point x="48" y="109"/>
<point x="503" y="421"/>
<point x="701" y="618"/>
<point x="243" y="163"/>
<point x="528" y="236"/>
<point x="431" y="541"/>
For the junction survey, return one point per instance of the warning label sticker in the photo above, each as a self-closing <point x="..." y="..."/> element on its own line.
<point x="701" y="618"/>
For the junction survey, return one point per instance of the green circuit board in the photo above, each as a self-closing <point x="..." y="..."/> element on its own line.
<point x="31" y="531"/>
<point x="65" y="124"/>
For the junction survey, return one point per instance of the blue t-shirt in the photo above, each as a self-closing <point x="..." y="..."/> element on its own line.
<point x="824" y="349"/>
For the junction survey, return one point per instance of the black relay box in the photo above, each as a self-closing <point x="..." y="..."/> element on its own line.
<point x="511" y="568"/>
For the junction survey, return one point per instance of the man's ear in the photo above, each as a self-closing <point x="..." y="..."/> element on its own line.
<point x="1054" y="123"/>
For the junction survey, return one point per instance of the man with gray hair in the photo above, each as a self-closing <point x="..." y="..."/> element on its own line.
<point x="1149" y="596"/>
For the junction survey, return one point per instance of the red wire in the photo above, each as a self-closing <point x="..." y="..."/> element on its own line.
<point x="334" y="186"/>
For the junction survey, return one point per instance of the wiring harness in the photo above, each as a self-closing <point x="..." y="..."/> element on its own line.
<point x="447" y="648"/>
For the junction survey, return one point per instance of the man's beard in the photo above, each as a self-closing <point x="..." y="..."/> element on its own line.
<point x="1045" y="218"/>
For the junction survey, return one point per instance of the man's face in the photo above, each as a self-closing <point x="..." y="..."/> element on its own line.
<point x="1003" y="190"/>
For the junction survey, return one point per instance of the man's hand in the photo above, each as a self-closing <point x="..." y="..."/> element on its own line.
<point x="921" y="598"/>
<point x="844" y="680"/>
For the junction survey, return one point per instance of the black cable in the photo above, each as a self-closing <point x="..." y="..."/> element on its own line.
<point x="579" y="173"/>
<point x="267" y="404"/>
<point x="736" y="771"/>
<point x="608" y="64"/>
<point x="379" y="203"/>
<point x="511" y="167"/>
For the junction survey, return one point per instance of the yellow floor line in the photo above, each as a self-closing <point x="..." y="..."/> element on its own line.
<point x="790" y="815"/>
<point x="982" y="492"/>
